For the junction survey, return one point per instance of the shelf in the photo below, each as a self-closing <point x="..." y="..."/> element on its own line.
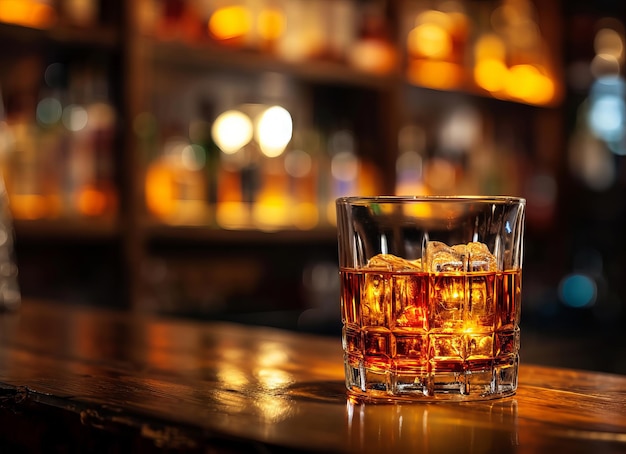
<point x="160" y="232"/>
<point x="67" y="229"/>
<point x="102" y="37"/>
<point x="208" y="56"/>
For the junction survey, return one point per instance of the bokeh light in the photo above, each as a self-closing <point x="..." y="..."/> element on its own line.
<point x="273" y="131"/>
<point x="231" y="131"/>
<point x="49" y="111"/>
<point x="591" y="161"/>
<point x="271" y="23"/>
<point x="608" y="41"/>
<point x="432" y="47"/>
<point x="490" y="46"/>
<point x="298" y="163"/>
<point x="29" y="13"/>
<point x="430" y="40"/>
<point x="193" y="157"/>
<point x="230" y="22"/>
<point x="441" y="75"/>
<point x="607" y="109"/>
<point x="578" y="290"/>
<point x="527" y="83"/>
<point x="490" y="74"/>
<point x="75" y="117"/>
<point x="345" y="166"/>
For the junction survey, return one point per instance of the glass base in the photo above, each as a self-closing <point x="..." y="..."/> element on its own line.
<point x="496" y="381"/>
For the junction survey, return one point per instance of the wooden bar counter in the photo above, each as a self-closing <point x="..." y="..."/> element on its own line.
<point x="76" y="379"/>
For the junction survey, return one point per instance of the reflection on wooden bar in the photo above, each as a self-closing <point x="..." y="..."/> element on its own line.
<point x="127" y="381"/>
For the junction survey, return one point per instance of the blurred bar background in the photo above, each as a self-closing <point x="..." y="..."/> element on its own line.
<point x="182" y="156"/>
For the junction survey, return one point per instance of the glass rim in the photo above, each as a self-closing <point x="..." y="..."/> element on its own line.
<point x="391" y="199"/>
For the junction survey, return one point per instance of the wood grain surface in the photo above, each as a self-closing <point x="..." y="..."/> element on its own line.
<point x="88" y="379"/>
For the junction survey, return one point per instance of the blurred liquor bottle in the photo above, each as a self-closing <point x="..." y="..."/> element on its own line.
<point x="302" y="167"/>
<point x="175" y="184"/>
<point x="91" y="119"/>
<point x="31" y="174"/>
<point x="177" y="20"/>
<point x="410" y="161"/>
<point x="436" y="45"/>
<point x="61" y="162"/>
<point x="79" y="13"/>
<point x="373" y="49"/>
<point x="350" y="173"/>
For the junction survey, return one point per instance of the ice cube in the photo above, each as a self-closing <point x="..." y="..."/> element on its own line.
<point x="378" y="290"/>
<point x="410" y="297"/>
<point x="413" y="317"/>
<point x="481" y="305"/>
<point x="447" y="298"/>
<point x="390" y="262"/>
<point x="442" y="258"/>
<point x="479" y="345"/>
<point x="376" y="299"/>
<point x="450" y="347"/>
<point x="474" y="256"/>
<point x="480" y="258"/>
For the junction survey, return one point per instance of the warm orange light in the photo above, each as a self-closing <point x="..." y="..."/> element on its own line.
<point x="231" y="211"/>
<point x="42" y="15"/>
<point x="527" y="83"/>
<point x="368" y="179"/>
<point x="159" y="190"/>
<point x="14" y="11"/>
<point x="430" y="40"/>
<point x="175" y="194"/>
<point x="302" y="171"/>
<point x="27" y="12"/>
<point x="305" y="215"/>
<point x="411" y="187"/>
<point x="490" y="46"/>
<point x="544" y="91"/>
<point x="441" y="75"/>
<point x="490" y="74"/>
<point x="230" y="22"/>
<point x="373" y="55"/>
<point x="28" y="206"/>
<point x="272" y="209"/>
<point x="432" y="16"/>
<point x="271" y="24"/>
<point x="440" y="176"/>
<point x="233" y="215"/>
<point x="92" y="202"/>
